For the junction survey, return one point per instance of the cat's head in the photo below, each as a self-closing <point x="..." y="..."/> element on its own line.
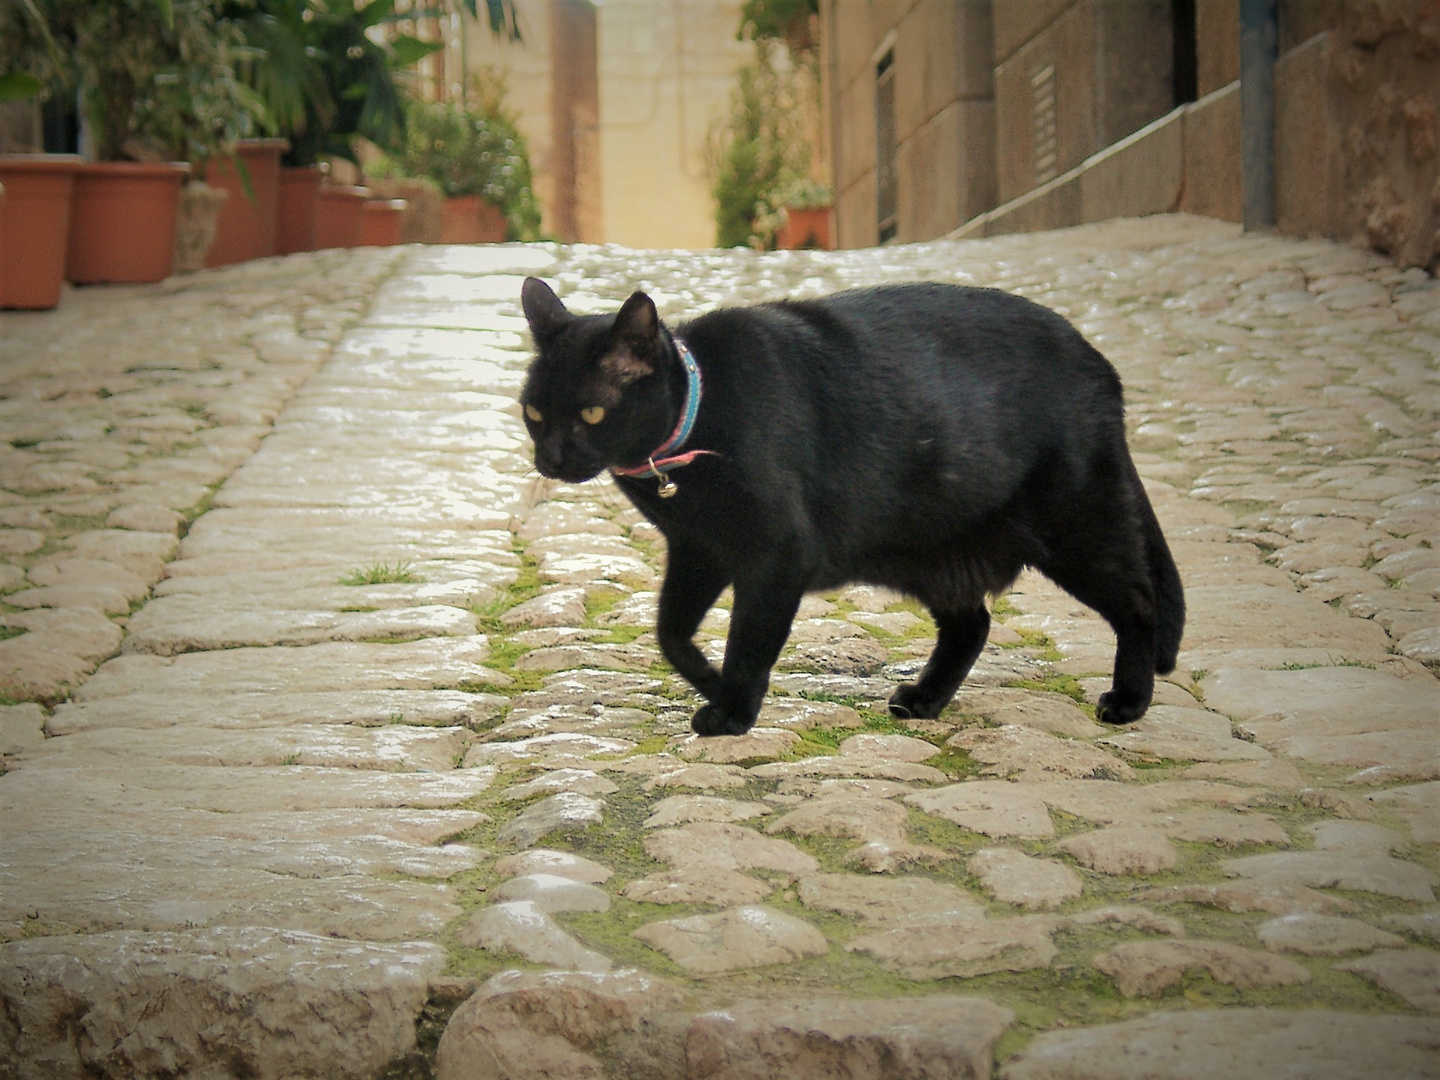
<point x="597" y="391"/>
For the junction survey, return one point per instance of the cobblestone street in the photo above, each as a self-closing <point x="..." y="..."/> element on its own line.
<point x="323" y="710"/>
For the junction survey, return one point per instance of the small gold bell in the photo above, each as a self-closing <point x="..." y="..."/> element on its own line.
<point x="667" y="488"/>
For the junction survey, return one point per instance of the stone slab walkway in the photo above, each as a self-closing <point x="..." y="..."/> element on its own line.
<point x="337" y="743"/>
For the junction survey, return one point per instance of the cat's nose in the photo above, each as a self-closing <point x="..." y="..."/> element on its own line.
<point x="547" y="462"/>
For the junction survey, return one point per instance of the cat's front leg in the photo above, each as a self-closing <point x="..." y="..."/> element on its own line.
<point x="765" y="606"/>
<point x="692" y="583"/>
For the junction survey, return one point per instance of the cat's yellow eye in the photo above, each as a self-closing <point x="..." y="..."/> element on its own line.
<point x="593" y="415"/>
<point x="533" y="413"/>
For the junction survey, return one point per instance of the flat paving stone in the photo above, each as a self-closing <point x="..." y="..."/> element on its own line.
<point x="744" y="937"/>
<point x="1183" y="735"/>
<point x="350" y="1005"/>
<point x="551" y="893"/>
<point x="1016" y="878"/>
<point x="164" y="632"/>
<point x="1322" y="935"/>
<point x="1411" y="974"/>
<point x="577" y="781"/>
<point x="22" y="728"/>
<point x="937" y="1036"/>
<point x="699" y="885"/>
<point x="1213" y="1044"/>
<point x="1337" y="716"/>
<point x="529" y="1023"/>
<point x="1051" y="713"/>
<point x="1147" y="968"/>
<point x="563" y="810"/>
<point x="1014" y="752"/>
<point x="991" y="807"/>
<point x="431" y="664"/>
<point x="680" y="809"/>
<point x="861" y="818"/>
<point x="887" y="902"/>
<point x="896" y="747"/>
<point x="726" y="847"/>
<point x="758" y="744"/>
<point x="856" y="765"/>
<point x="1378" y="874"/>
<point x="705" y="777"/>
<point x="523" y="927"/>
<point x="556" y="863"/>
<point x="958" y="945"/>
<point x="1121" y="850"/>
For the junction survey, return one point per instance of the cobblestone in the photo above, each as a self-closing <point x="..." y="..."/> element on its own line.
<point x="300" y="662"/>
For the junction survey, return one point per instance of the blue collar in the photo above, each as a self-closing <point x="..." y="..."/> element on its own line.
<point x="664" y="458"/>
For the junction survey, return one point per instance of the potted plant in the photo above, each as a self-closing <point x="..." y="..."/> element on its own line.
<point x="158" y="93"/>
<point x="805" y="206"/>
<point x="478" y="158"/>
<point x="323" y="80"/>
<point x="35" y="227"/>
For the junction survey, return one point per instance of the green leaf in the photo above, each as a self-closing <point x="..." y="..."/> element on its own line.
<point x="406" y="50"/>
<point x="18" y="85"/>
<point x="167" y="13"/>
<point x="375" y="11"/>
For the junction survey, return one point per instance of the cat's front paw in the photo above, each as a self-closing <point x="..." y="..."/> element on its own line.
<point x="714" y="720"/>
<point x="909" y="702"/>
<point x="1115" y="707"/>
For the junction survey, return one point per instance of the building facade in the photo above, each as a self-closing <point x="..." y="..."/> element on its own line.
<point x="977" y="117"/>
<point x="617" y="102"/>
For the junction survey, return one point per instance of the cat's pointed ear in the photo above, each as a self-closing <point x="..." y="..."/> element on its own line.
<point x="634" y="340"/>
<point x="543" y="309"/>
<point x="637" y="320"/>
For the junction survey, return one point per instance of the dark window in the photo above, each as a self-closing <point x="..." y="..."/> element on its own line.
<point x="886" y="183"/>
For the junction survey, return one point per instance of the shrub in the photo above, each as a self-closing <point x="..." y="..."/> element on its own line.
<point x="473" y="151"/>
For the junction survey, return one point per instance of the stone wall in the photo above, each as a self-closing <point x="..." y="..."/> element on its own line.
<point x="617" y="102"/>
<point x="944" y="112"/>
<point x="1356" y="127"/>
<point x="1093" y="75"/>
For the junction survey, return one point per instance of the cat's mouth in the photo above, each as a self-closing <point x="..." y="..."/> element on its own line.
<point x="569" y="472"/>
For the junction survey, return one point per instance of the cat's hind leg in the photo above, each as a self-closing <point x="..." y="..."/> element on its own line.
<point x="1124" y="595"/>
<point x="959" y="640"/>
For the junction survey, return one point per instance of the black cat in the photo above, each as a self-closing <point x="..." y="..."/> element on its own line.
<point x="928" y="438"/>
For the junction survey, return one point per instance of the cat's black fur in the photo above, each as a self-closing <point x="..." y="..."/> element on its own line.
<point x="927" y="438"/>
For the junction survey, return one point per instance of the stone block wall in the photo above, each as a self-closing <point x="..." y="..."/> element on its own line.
<point x="1357" y="139"/>
<point x="1357" y="129"/>
<point x="1097" y="72"/>
<point x="944" y="112"/>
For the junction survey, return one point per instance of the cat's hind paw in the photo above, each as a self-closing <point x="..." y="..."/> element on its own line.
<point x="910" y="703"/>
<point x="713" y="720"/>
<point x="1117" y="708"/>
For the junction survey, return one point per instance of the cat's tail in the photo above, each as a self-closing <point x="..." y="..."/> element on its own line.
<point x="1169" y="593"/>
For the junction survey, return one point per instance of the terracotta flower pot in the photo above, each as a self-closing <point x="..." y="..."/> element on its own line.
<point x="246" y="229"/>
<point x="340" y="216"/>
<point x="122" y="226"/>
<point x="420" y="224"/>
<point x="382" y="220"/>
<point x="295" y="209"/>
<point x="469" y="219"/>
<point x="808" y="228"/>
<point x="35" y="227"/>
<point x="492" y="224"/>
<point x="195" y="223"/>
